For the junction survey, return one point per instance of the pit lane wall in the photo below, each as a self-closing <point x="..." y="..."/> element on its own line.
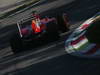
<point x="7" y="8"/>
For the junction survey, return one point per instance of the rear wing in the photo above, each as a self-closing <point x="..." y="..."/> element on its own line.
<point x="20" y="24"/>
<point x="19" y="29"/>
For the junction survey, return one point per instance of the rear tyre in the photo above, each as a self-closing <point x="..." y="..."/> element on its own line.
<point x="16" y="44"/>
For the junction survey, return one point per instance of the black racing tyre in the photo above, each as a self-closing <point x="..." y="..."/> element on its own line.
<point x="16" y="43"/>
<point x="61" y="23"/>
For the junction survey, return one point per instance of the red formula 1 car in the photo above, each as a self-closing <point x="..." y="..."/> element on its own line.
<point x="36" y="31"/>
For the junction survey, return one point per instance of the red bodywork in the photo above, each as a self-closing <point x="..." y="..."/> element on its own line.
<point x="37" y="25"/>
